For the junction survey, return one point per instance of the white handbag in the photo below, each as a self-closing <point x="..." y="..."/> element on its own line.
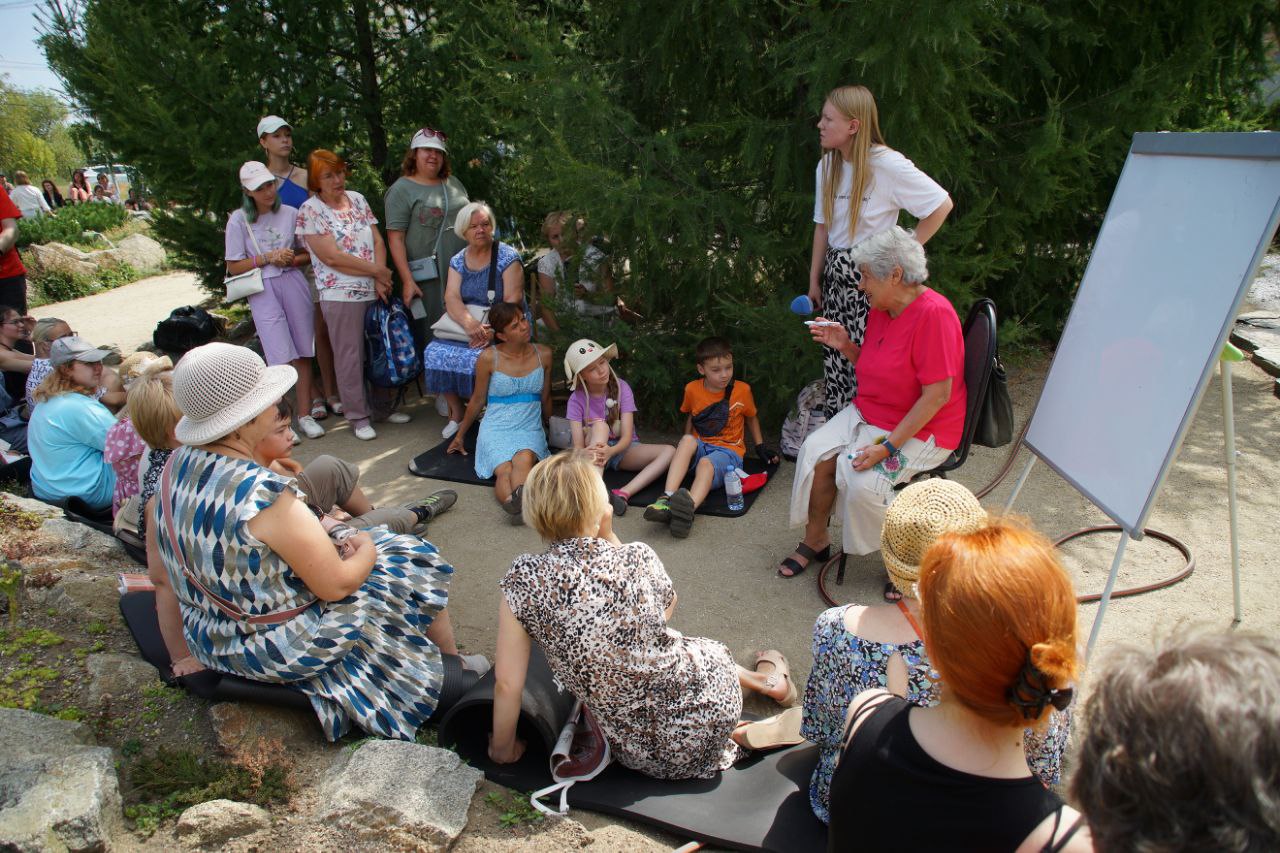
<point x="448" y="329"/>
<point x="246" y="283"/>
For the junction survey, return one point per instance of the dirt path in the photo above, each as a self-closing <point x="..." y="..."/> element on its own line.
<point x="127" y="315"/>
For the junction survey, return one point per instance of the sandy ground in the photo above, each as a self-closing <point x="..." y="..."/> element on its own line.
<point x="127" y="315"/>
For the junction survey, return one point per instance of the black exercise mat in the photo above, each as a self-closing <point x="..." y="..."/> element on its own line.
<point x="456" y="468"/>
<point x="139" y="611"/>
<point x="761" y="803"/>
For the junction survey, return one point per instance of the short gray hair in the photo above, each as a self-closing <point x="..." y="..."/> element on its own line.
<point x="893" y="247"/>
<point x="463" y="222"/>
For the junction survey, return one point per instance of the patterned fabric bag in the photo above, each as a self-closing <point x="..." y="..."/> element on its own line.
<point x="807" y="416"/>
<point x="390" y="358"/>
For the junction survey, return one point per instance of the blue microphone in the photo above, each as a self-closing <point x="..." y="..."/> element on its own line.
<point x="802" y="305"/>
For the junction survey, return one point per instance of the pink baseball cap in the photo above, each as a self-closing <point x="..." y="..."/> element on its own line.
<point x="254" y="175"/>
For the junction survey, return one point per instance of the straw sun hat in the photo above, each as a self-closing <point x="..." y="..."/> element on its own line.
<point x="221" y="387"/>
<point x="919" y="515"/>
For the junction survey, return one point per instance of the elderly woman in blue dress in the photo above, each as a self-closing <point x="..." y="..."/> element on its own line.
<point x="254" y="584"/>
<point x="451" y="365"/>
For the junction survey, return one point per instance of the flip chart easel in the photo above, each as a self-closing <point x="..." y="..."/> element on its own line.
<point x="1189" y="222"/>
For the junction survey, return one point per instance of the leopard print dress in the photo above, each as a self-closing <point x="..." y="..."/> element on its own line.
<point x="843" y="302"/>
<point x="667" y="703"/>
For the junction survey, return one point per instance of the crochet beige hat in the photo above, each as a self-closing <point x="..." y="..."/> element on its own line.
<point x="922" y="513"/>
<point x="221" y="387"/>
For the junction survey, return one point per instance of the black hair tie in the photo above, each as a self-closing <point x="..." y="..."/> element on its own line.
<point x="1031" y="692"/>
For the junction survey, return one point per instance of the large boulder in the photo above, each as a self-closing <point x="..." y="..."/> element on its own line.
<point x="87" y="596"/>
<point x="138" y="251"/>
<point x="114" y="676"/>
<point x="64" y="545"/>
<point x="216" y="822"/>
<point x="59" y="257"/>
<point x="402" y="795"/>
<point x="58" y="791"/>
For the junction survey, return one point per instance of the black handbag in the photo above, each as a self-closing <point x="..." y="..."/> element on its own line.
<point x="995" y="414"/>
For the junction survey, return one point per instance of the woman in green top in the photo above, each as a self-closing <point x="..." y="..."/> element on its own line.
<point x="420" y="208"/>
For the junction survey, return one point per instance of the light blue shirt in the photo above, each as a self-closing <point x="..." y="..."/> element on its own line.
<point x="66" y="439"/>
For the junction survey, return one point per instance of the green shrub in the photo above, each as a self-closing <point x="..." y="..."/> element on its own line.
<point x="69" y="224"/>
<point x="59" y="285"/>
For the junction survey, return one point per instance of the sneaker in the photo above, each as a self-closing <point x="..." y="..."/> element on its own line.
<point x="618" y="502"/>
<point x="479" y="664"/>
<point x="450" y="430"/>
<point x="318" y="410"/>
<point x="398" y="418"/>
<point x="335" y="405"/>
<point x="682" y="508"/>
<point x="442" y="406"/>
<point x="439" y="502"/>
<point x="659" y="510"/>
<point x="365" y="433"/>
<point x="309" y="427"/>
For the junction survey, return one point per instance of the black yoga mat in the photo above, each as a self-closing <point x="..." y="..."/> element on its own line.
<point x="761" y="803"/>
<point x="456" y="468"/>
<point x="139" y="611"/>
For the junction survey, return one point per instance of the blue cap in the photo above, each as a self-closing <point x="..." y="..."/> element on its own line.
<point x="802" y="305"/>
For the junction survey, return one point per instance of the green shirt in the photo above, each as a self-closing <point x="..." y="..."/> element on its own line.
<point x="419" y="211"/>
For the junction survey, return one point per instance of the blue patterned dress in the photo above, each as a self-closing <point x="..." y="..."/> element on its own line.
<point x="845" y="664"/>
<point x="512" y="420"/>
<point x="363" y="661"/>
<point x="451" y="365"/>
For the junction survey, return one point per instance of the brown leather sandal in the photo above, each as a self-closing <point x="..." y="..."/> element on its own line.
<point x="809" y="555"/>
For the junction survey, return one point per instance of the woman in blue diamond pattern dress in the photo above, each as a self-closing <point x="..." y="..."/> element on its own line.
<point x="513" y="380"/>
<point x="253" y="584"/>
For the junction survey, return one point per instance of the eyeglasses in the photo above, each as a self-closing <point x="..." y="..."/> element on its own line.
<point x="16" y="321"/>
<point x="430" y="131"/>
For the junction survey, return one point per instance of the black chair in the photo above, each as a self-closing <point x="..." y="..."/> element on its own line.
<point x="979" y="361"/>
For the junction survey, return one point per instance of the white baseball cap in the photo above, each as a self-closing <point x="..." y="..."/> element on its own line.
<point x="428" y="138"/>
<point x="271" y="124"/>
<point x="69" y="349"/>
<point x="254" y="175"/>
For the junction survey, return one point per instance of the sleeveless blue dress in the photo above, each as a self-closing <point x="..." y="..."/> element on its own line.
<point x="513" y="420"/>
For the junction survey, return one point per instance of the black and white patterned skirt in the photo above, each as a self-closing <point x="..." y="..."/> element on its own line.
<point x="844" y="303"/>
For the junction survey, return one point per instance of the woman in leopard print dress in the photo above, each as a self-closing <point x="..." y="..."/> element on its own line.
<point x="668" y="704"/>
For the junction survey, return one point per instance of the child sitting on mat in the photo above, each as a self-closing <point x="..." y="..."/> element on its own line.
<point x="718" y="408"/>
<point x="329" y="482"/>
<point x="601" y="414"/>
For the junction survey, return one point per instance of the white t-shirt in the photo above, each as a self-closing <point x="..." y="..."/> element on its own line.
<point x="29" y="200"/>
<point x="896" y="184"/>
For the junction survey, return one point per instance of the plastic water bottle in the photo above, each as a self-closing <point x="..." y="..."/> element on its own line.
<point x="733" y="490"/>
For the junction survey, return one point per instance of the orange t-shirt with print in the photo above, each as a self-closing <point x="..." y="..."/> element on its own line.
<point x="741" y="406"/>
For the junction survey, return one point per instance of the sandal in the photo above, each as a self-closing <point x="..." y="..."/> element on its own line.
<point x="781" y="672"/>
<point x="891" y="593"/>
<point x="318" y="409"/>
<point x="772" y="732"/>
<point x="809" y="555"/>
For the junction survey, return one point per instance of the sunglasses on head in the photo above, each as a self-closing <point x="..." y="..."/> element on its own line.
<point x="431" y="131"/>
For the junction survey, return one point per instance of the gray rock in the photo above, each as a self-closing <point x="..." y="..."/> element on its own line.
<point x="60" y="257"/>
<point x="138" y="251"/>
<point x="88" y="597"/>
<point x="1250" y="337"/>
<point x="1268" y="358"/>
<point x="57" y="790"/>
<point x="249" y="728"/>
<point x="113" y="676"/>
<point x="31" y="505"/>
<point x="405" y="795"/>
<point x="219" y="821"/>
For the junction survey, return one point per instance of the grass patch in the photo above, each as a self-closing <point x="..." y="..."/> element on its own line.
<point x="59" y="285"/>
<point x="168" y="781"/>
<point x="514" y="809"/>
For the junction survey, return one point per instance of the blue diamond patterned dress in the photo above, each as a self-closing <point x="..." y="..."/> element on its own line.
<point x="363" y="661"/>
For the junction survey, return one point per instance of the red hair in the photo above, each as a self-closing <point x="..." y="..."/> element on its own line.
<point x="991" y="600"/>
<point x="322" y="159"/>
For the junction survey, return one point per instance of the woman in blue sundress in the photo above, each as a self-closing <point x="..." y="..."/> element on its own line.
<point x="256" y="585"/>
<point x="513" y="378"/>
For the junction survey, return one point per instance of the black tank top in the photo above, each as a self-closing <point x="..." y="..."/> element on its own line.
<point x="887" y="793"/>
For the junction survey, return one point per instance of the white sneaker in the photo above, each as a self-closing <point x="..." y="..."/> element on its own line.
<point x="442" y="406"/>
<point x="309" y="427"/>
<point x="365" y="433"/>
<point x="294" y="438"/>
<point x="398" y="418"/>
<point x="450" y="430"/>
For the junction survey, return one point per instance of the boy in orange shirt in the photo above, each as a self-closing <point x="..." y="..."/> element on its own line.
<point x="718" y="409"/>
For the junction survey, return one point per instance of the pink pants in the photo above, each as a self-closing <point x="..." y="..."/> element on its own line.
<point x="346" y="335"/>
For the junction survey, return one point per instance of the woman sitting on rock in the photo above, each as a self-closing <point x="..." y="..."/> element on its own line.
<point x="356" y="620"/>
<point x="668" y="704"/>
<point x="68" y="430"/>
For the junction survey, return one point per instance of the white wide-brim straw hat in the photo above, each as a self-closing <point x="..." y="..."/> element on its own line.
<point x="581" y="354"/>
<point x="221" y="387"/>
<point x="916" y="519"/>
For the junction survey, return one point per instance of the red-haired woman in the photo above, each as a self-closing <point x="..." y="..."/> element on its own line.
<point x="999" y="619"/>
<point x="350" y="262"/>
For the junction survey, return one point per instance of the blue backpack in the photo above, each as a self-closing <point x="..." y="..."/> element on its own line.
<point x="390" y="358"/>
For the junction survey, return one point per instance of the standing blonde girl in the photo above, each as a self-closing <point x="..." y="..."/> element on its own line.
<point x="861" y="185"/>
